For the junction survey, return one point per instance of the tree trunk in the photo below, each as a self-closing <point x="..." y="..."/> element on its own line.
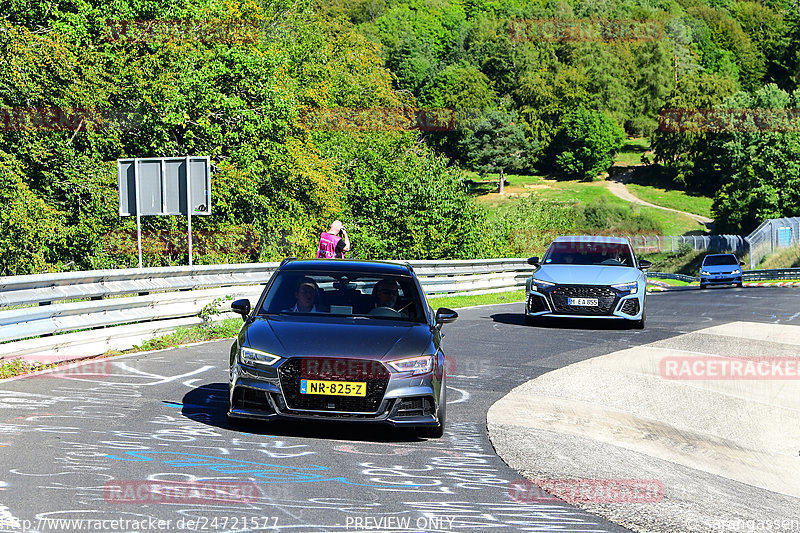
<point x="502" y="180"/>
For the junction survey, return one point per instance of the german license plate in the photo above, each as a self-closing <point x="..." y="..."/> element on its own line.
<point x="333" y="388"/>
<point x="584" y="302"/>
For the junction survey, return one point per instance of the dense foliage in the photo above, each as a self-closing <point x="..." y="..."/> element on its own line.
<point x="240" y="93"/>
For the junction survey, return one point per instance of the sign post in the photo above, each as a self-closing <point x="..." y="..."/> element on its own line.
<point x="164" y="186"/>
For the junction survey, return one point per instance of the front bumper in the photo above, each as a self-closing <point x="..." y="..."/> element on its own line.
<point x="614" y="305"/>
<point x="406" y="402"/>
<point x="721" y="279"/>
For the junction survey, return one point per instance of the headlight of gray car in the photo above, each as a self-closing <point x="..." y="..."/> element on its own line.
<point x="250" y="356"/>
<point x="416" y="365"/>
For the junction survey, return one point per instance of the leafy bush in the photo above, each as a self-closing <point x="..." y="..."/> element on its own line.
<point x="586" y="143"/>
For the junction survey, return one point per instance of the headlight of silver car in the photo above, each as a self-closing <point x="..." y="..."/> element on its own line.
<point x="542" y="285"/>
<point x="415" y="365"/>
<point x="251" y="356"/>
<point x="630" y="288"/>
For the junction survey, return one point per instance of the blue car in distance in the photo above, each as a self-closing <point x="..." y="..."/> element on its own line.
<point x="721" y="269"/>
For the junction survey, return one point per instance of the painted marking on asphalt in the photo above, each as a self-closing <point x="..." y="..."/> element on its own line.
<point x="464" y="395"/>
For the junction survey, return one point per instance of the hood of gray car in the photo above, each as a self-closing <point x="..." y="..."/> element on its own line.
<point x="588" y="274"/>
<point x="357" y="338"/>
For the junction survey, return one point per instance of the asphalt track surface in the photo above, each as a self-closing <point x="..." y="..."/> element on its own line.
<point x="78" y="445"/>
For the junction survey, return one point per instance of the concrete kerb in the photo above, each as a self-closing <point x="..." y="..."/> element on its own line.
<point x="721" y="448"/>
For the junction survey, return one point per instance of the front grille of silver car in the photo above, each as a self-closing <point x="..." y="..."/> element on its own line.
<point x="606" y="297"/>
<point x="291" y="374"/>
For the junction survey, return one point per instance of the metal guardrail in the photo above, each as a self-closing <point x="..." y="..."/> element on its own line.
<point x="773" y="273"/>
<point x="747" y="275"/>
<point x="669" y="275"/>
<point x="89" y="313"/>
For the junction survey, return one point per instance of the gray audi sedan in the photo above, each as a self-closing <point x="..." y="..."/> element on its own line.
<point x="341" y="340"/>
<point x="588" y="277"/>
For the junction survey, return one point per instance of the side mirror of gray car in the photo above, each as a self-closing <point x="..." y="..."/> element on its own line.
<point x="534" y="261"/>
<point x="241" y="307"/>
<point x="445" y="316"/>
<point x="644" y="264"/>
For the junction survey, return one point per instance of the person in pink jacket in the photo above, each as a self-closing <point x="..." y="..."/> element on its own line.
<point x="331" y="245"/>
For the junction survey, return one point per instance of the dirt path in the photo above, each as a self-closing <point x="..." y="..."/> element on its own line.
<point x="617" y="187"/>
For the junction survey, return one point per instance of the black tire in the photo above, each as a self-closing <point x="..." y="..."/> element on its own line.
<point x="703" y="286"/>
<point x="740" y="284"/>
<point x="438" y="431"/>
<point x="639" y="324"/>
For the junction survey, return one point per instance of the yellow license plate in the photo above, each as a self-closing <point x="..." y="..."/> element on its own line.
<point x="333" y="388"/>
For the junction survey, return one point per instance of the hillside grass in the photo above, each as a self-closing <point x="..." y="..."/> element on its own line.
<point x="485" y="191"/>
<point x="788" y="258"/>
<point x="652" y="186"/>
<point x="632" y="151"/>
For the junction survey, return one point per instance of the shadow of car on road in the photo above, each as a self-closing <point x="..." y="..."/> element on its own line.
<point x="518" y="319"/>
<point x="208" y="404"/>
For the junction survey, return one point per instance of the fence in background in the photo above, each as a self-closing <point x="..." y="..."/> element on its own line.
<point x="772" y="235"/>
<point x="710" y="243"/>
<point x="89" y="313"/>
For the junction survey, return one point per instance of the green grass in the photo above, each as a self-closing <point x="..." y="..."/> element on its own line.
<point x="632" y="151"/>
<point x="577" y="191"/>
<point x="788" y="258"/>
<point x="652" y="186"/>
<point x="673" y="199"/>
<point x="680" y="262"/>
<point x="216" y="330"/>
<point x="17" y="367"/>
<point x="455" y="302"/>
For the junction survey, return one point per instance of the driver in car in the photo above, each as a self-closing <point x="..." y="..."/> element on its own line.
<point x="385" y="293"/>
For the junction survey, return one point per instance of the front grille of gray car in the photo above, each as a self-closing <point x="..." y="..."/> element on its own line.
<point x="244" y="398"/>
<point x="606" y="297"/>
<point x="420" y="406"/>
<point x="630" y="307"/>
<point x="291" y="374"/>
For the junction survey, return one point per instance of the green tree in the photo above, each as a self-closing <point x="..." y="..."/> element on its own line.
<point x="586" y="143"/>
<point x="760" y="162"/>
<point x="498" y="144"/>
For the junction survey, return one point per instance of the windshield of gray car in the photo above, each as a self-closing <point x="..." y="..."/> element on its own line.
<point x="588" y="253"/>
<point x="717" y="260"/>
<point x="341" y="294"/>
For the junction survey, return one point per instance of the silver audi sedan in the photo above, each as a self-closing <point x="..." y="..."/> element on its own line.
<point x="587" y="277"/>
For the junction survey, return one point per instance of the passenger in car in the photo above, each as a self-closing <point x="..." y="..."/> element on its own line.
<point x="305" y="294"/>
